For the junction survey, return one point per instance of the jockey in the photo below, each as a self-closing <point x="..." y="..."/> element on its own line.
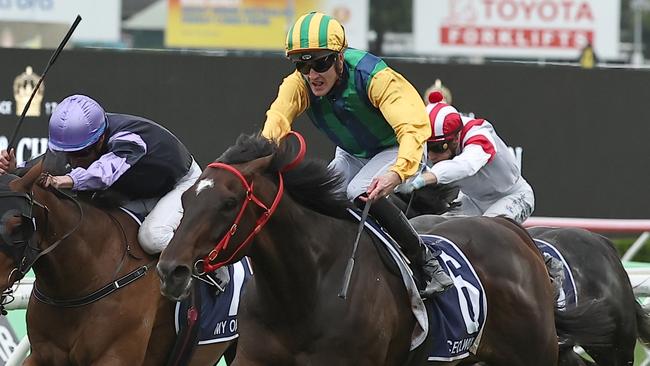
<point x="468" y="152"/>
<point x="373" y="115"/>
<point x="136" y="157"/>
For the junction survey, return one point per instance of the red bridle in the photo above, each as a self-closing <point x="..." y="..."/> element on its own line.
<point x="208" y="266"/>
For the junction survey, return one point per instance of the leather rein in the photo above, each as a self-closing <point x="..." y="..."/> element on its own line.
<point x="207" y="263"/>
<point x="26" y="263"/>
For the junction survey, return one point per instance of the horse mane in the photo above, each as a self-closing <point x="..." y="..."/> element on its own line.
<point x="108" y="199"/>
<point x="311" y="183"/>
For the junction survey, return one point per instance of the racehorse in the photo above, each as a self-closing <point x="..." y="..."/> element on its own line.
<point x="290" y="217"/>
<point x="595" y="267"/>
<point x="80" y="254"/>
<point x="598" y="273"/>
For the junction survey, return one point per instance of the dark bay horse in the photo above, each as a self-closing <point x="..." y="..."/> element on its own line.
<point x="79" y="249"/>
<point x="596" y="269"/>
<point x="291" y="219"/>
<point x="599" y="273"/>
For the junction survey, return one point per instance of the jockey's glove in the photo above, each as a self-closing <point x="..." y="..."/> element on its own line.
<point x="411" y="185"/>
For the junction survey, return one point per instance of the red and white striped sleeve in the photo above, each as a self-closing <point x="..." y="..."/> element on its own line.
<point x="479" y="132"/>
<point x="478" y="149"/>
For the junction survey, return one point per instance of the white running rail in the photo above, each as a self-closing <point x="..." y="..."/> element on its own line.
<point x="21" y="294"/>
<point x="631" y="226"/>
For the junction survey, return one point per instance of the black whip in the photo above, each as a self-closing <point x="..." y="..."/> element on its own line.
<point x="14" y="135"/>
<point x="348" y="270"/>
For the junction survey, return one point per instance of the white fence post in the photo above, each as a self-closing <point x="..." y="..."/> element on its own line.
<point x="19" y="354"/>
<point x="636" y="246"/>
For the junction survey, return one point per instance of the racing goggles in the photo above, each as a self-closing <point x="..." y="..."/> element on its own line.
<point x="319" y="65"/>
<point x="437" y="147"/>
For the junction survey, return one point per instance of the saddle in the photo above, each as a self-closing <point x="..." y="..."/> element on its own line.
<point x="560" y="274"/>
<point x="450" y="324"/>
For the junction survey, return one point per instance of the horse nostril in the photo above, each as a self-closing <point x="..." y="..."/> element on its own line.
<point x="180" y="273"/>
<point x="169" y="271"/>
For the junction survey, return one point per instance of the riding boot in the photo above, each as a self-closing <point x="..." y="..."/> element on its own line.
<point x="398" y="226"/>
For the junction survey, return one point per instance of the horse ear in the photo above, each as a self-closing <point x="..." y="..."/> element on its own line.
<point x="256" y="166"/>
<point x="25" y="183"/>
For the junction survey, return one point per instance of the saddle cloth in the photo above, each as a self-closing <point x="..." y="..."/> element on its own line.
<point x="218" y="316"/>
<point x="455" y="318"/>
<point x="568" y="293"/>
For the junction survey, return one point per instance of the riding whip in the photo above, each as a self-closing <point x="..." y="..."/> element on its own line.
<point x="14" y="135"/>
<point x="348" y="270"/>
<point x="408" y="206"/>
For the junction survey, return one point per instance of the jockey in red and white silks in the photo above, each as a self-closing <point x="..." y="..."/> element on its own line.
<point x="468" y="152"/>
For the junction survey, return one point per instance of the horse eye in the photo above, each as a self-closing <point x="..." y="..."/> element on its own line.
<point x="229" y="204"/>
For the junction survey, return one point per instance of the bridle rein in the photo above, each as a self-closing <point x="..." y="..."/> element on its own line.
<point x="31" y="252"/>
<point x="25" y="252"/>
<point x="25" y="260"/>
<point x="207" y="263"/>
<point x="208" y="266"/>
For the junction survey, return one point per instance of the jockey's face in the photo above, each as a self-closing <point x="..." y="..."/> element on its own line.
<point x="322" y="82"/>
<point x="436" y="154"/>
<point x="85" y="157"/>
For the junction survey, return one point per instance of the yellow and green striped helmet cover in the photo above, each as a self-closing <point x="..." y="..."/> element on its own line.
<point x="315" y="31"/>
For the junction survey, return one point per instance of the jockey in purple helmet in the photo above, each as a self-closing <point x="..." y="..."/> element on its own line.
<point x="131" y="155"/>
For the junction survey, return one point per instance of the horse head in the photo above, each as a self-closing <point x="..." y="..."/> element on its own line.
<point x="16" y="231"/>
<point x="23" y="203"/>
<point x="17" y="228"/>
<point x="226" y="208"/>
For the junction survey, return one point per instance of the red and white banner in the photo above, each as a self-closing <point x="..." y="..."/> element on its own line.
<point x="517" y="28"/>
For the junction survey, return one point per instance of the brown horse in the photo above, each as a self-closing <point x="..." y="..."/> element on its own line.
<point x="599" y="273"/>
<point x="595" y="267"/>
<point x="299" y="244"/>
<point x="78" y="252"/>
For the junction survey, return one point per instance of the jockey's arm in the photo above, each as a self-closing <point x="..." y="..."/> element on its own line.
<point x="404" y="110"/>
<point x="124" y="150"/>
<point x="463" y="165"/>
<point x="292" y="100"/>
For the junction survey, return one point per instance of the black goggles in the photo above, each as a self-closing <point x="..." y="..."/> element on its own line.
<point x="319" y="65"/>
<point x="82" y="153"/>
<point x="438" y="147"/>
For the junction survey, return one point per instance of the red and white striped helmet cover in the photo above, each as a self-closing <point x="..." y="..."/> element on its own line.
<point x="445" y="121"/>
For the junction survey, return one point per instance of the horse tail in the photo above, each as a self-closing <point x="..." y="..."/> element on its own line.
<point x="586" y="324"/>
<point x="642" y="323"/>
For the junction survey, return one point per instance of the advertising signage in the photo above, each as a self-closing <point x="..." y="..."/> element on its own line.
<point x="101" y="19"/>
<point x="517" y="28"/>
<point x="255" y="24"/>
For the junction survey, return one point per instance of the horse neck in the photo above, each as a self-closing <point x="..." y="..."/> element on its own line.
<point x="75" y="266"/>
<point x="292" y="254"/>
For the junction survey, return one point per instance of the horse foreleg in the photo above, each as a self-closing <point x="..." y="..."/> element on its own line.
<point x="231" y="352"/>
<point x="123" y="352"/>
<point x="31" y="361"/>
<point x="243" y="361"/>
<point x="209" y="354"/>
<point x="568" y="357"/>
<point x="54" y="357"/>
<point x="612" y="356"/>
